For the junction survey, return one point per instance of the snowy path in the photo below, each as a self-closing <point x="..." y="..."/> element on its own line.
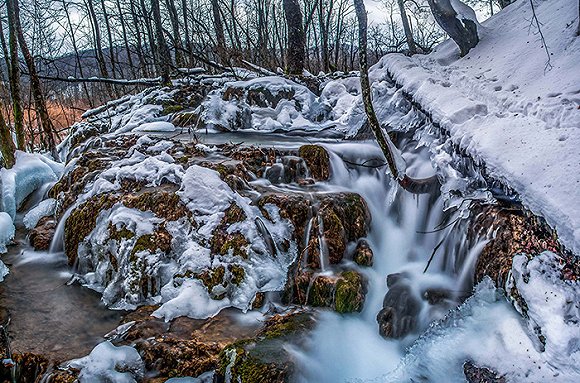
<point x="504" y="107"/>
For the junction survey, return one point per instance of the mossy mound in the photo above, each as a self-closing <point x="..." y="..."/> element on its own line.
<point x="82" y="221"/>
<point x="264" y="359"/>
<point x="41" y="236"/>
<point x="173" y="357"/>
<point x="350" y="292"/>
<point x="294" y="207"/>
<point x="317" y="160"/>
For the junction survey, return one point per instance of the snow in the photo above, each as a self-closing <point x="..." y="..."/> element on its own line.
<point x="6" y="234"/>
<point x="489" y="332"/>
<point x="108" y="363"/>
<point x="43" y="209"/>
<point x="156" y="126"/>
<point x="505" y="107"/>
<point x="202" y="190"/>
<point x="111" y="267"/>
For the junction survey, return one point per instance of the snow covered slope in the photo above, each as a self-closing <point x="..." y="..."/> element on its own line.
<point x="507" y="107"/>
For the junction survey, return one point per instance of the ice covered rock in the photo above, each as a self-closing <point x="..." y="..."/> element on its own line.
<point x="7" y="231"/>
<point x="43" y="209"/>
<point x="30" y="172"/>
<point x="108" y="363"/>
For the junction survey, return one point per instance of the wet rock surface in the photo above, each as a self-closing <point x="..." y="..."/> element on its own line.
<point x="41" y="236"/>
<point x="264" y="358"/>
<point x="517" y="231"/>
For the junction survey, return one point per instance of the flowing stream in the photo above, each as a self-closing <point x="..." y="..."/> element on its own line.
<point x="48" y="316"/>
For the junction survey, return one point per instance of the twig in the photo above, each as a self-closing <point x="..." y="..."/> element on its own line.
<point x="542" y="39"/>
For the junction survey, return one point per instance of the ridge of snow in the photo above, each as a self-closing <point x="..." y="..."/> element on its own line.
<point x="505" y="107"/>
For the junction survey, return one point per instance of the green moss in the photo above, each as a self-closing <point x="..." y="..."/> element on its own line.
<point x="233" y="214"/>
<point x="212" y="277"/>
<point x="321" y="293"/>
<point x="82" y="221"/>
<point x="317" y="160"/>
<point x="223" y="242"/>
<point x="159" y="239"/>
<point x="349" y="295"/>
<point x="164" y="203"/>
<point x="237" y="274"/>
<point x="279" y="326"/>
<point x="119" y="234"/>
<point x="170" y="108"/>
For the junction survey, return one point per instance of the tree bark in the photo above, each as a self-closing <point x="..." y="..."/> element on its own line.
<point x="163" y="55"/>
<point x="13" y="67"/>
<point x="407" y="28"/>
<point x="219" y="32"/>
<point x="6" y="144"/>
<point x="461" y="30"/>
<point x="35" y="87"/>
<point x="417" y="186"/>
<point x="295" y="48"/>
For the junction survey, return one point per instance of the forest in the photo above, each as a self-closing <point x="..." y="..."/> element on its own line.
<point x="289" y="191"/>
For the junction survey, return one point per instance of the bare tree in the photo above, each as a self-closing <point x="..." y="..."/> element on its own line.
<point x="13" y="66"/>
<point x="163" y="55"/>
<point x="407" y="28"/>
<point x="6" y="144"/>
<point x="413" y="185"/>
<point x="39" y="101"/>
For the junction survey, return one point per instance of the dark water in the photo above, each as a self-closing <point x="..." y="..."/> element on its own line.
<point x="46" y="315"/>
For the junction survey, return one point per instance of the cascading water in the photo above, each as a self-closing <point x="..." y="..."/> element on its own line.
<point x="403" y="239"/>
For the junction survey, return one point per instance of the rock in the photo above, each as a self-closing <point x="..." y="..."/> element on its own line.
<point x="41" y="236"/>
<point x="294" y="207"/>
<point x="317" y="160"/>
<point x="517" y="232"/>
<point x="475" y="374"/>
<point x="363" y="254"/>
<point x="258" y="96"/>
<point x="264" y="358"/>
<point x="183" y="347"/>
<point x="350" y="292"/>
<point x="398" y="317"/>
<point x="344" y="217"/>
<point x="321" y="293"/>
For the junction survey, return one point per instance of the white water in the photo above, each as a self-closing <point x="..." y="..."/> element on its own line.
<point x="345" y="347"/>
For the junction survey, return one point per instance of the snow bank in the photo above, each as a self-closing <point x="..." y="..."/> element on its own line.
<point x="505" y="107"/>
<point x="489" y="332"/>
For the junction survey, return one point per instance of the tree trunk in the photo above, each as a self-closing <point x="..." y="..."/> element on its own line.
<point x="578" y="29"/>
<point x="6" y="144"/>
<point x="173" y="18"/>
<point x="412" y="185"/>
<point x="461" y="30"/>
<point x="13" y="66"/>
<point x="163" y="55"/>
<point x="219" y="32"/>
<point x="35" y="87"/>
<point x="295" y="48"/>
<point x="407" y="28"/>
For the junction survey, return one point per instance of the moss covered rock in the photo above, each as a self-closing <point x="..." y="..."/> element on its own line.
<point x="350" y="292"/>
<point x="517" y="231"/>
<point x="317" y="160"/>
<point x="363" y="254"/>
<point x="264" y="359"/>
